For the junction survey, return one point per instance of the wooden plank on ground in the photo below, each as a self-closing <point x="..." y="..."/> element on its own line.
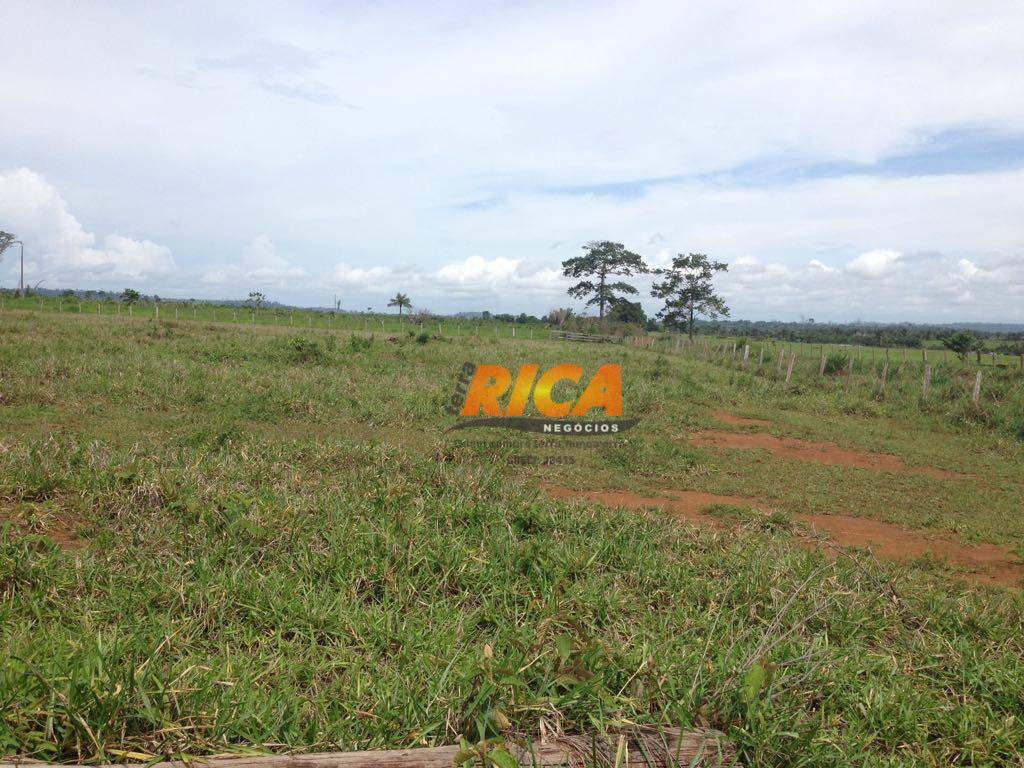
<point x="639" y="748"/>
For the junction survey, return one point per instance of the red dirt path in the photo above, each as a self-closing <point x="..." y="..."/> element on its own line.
<point x="739" y="421"/>
<point x="983" y="563"/>
<point x="822" y="453"/>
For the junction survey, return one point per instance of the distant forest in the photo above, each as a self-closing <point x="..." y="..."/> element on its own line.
<point x="1007" y="338"/>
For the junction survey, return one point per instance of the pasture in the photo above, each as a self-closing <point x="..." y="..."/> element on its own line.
<point x="222" y="536"/>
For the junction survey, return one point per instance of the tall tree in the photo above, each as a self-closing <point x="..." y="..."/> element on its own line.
<point x="256" y="300"/>
<point x="601" y="264"/>
<point x="400" y="301"/>
<point x="687" y="290"/>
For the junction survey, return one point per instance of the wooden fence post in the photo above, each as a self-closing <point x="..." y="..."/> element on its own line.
<point x="881" y="384"/>
<point x="977" y="389"/>
<point x="792" y="362"/>
<point x="849" y="370"/>
<point x="821" y="368"/>
<point x="760" y="361"/>
<point x="927" y="381"/>
<point x="782" y="358"/>
<point x="746" y="354"/>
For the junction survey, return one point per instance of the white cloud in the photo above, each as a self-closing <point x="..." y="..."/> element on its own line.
<point x="374" y="278"/>
<point x="474" y="278"/>
<point x="875" y="265"/>
<point x="498" y="276"/>
<point x="259" y="265"/>
<point x="968" y="267"/>
<point x="59" y="249"/>
<point x="475" y="144"/>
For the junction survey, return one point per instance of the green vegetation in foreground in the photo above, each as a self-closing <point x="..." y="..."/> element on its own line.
<point x="283" y="552"/>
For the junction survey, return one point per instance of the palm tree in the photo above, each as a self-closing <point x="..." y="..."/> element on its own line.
<point x="400" y="300"/>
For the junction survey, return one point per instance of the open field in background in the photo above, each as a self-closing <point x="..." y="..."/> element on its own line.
<point x="220" y="536"/>
<point x="279" y="317"/>
<point x="936" y="353"/>
<point x="347" y="320"/>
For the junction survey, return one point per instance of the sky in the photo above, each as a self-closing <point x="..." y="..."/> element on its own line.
<point x="855" y="160"/>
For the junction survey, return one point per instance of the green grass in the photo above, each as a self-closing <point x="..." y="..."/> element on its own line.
<point x="275" y="317"/>
<point x="936" y="352"/>
<point x="282" y="550"/>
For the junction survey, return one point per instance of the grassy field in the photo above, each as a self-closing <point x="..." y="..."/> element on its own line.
<point x="935" y="352"/>
<point x="297" y="319"/>
<point x="220" y="536"/>
<point x="345" y="320"/>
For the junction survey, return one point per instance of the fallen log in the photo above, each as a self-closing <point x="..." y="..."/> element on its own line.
<point x="636" y="748"/>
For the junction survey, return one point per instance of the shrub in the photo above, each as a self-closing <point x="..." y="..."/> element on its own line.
<point x="360" y="343"/>
<point x="302" y="350"/>
<point x="836" y="362"/>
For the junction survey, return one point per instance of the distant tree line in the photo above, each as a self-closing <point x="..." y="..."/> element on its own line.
<point x="957" y="338"/>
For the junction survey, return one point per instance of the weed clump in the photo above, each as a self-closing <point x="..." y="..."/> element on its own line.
<point x="299" y="349"/>
<point x="359" y="343"/>
<point x="836" y="362"/>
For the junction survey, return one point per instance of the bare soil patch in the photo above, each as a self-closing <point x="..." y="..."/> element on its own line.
<point x="983" y="563"/>
<point x="60" y="530"/>
<point x="987" y="563"/>
<point x="739" y="421"/>
<point x="685" y="504"/>
<point x="822" y="453"/>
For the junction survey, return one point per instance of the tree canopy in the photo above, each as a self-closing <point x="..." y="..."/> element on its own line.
<point x="962" y="343"/>
<point x="628" y="312"/>
<point x="602" y="262"/>
<point x="687" y="290"/>
<point x="400" y="301"/>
